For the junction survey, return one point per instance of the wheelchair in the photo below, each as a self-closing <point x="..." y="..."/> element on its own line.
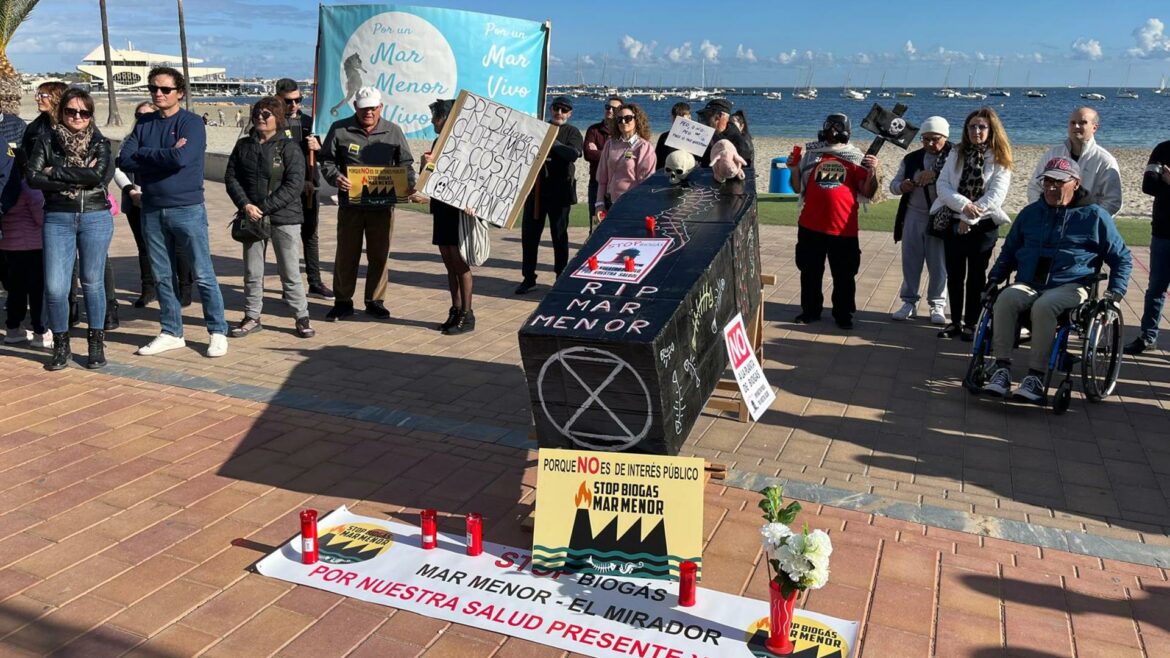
<point x="1097" y="323"/>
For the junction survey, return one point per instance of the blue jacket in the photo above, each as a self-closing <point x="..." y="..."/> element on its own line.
<point x="169" y="177"/>
<point x="1075" y="241"/>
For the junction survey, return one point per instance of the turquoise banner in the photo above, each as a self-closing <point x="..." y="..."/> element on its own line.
<point x="416" y="55"/>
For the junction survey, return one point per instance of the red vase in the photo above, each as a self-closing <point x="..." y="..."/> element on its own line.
<point x="781" y="609"/>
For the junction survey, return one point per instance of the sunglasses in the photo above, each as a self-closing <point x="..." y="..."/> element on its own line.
<point x="564" y="109"/>
<point x="78" y="114"/>
<point x="933" y="140"/>
<point x="1054" y="182"/>
<point x="166" y="91"/>
<point x="262" y="115"/>
<point x="293" y="101"/>
<point x="44" y="94"/>
<point x="612" y="108"/>
<point x="626" y="118"/>
<point x="978" y="127"/>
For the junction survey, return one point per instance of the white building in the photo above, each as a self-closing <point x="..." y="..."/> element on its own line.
<point x="131" y="67"/>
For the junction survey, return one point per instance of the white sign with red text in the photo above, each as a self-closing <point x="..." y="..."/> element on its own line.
<point x="595" y="615"/>
<point x="753" y="385"/>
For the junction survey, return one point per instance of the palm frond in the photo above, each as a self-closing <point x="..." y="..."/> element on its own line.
<point x="12" y="14"/>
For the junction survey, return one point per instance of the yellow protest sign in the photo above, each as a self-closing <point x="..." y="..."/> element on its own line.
<point x="618" y="514"/>
<point x="376" y="186"/>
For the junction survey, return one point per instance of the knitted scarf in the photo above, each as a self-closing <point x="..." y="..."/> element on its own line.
<point x="76" y="146"/>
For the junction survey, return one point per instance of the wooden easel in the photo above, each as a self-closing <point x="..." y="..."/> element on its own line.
<point x="726" y="396"/>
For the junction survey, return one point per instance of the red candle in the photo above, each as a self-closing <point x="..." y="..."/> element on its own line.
<point x="629" y="264"/>
<point x="593" y="263"/>
<point x="687" y="571"/>
<point x="474" y="533"/>
<point x="309" y="536"/>
<point x="796" y="152"/>
<point x="601" y="215"/>
<point x="650" y="224"/>
<point x="429" y="536"/>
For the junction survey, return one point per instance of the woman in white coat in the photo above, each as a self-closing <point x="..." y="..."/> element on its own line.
<point x="968" y="213"/>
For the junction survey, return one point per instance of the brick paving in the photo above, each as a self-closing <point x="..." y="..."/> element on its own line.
<point x="135" y="498"/>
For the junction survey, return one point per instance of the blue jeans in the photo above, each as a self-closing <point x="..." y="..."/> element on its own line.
<point x="174" y="234"/>
<point x="65" y="235"/>
<point x="1156" y="290"/>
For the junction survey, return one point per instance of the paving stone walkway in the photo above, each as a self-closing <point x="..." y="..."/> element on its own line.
<point x="124" y="489"/>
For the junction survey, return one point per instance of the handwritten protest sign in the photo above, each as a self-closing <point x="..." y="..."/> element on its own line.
<point x="690" y="136"/>
<point x="618" y="514"/>
<point x="376" y="186"/>
<point x="487" y="159"/>
<point x="503" y="591"/>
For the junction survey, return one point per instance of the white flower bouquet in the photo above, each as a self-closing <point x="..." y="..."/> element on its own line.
<point x="796" y="560"/>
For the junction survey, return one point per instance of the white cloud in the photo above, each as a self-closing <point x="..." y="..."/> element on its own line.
<point x="587" y="60"/>
<point x="1152" y="40"/>
<point x="864" y="59"/>
<point x="980" y="57"/>
<point x="909" y="50"/>
<point x="788" y="57"/>
<point x="636" y="50"/>
<point x="683" y="53"/>
<point x="745" y="54"/>
<point x="710" y="51"/>
<point x="1086" y="49"/>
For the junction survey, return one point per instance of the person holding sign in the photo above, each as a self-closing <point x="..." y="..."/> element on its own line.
<point x="265" y="177"/>
<point x="662" y="151"/>
<point x="553" y="195"/>
<point x="363" y="139"/>
<point x="628" y="157"/>
<point x="717" y="114"/>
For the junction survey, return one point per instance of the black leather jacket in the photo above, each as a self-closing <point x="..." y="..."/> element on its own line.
<point x="93" y="181"/>
<point x="249" y="177"/>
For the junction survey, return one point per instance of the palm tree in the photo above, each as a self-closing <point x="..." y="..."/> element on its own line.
<point x="114" y="118"/>
<point x="12" y="14"/>
<point x="183" y="46"/>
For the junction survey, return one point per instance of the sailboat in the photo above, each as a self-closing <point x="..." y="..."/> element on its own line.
<point x="1126" y="92"/>
<point x="998" y="90"/>
<point x="885" y="93"/>
<point x="1161" y="90"/>
<point x="946" y="92"/>
<point x="971" y="94"/>
<point x="1091" y="95"/>
<point x="851" y="94"/>
<point x="808" y="92"/>
<point x="1032" y="93"/>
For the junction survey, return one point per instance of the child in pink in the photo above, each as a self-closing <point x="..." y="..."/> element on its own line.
<point x="24" y="258"/>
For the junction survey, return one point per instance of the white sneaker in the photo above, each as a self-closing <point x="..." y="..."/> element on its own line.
<point x="937" y="316"/>
<point x="217" y="346"/>
<point x="907" y="311"/>
<point x="43" y="341"/>
<point x="17" y="336"/>
<point x="161" y="343"/>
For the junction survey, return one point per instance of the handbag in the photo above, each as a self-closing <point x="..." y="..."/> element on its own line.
<point x="246" y="230"/>
<point x="942" y="223"/>
<point x="475" y="243"/>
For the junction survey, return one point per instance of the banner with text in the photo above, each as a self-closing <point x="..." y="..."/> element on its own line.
<point x="753" y="384"/>
<point x="618" y="514"/>
<point x="415" y="55"/>
<point x="503" y="592"/>
<point x="487" y="159"/>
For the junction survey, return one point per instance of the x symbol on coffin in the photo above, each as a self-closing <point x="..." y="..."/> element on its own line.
<point x="594" y="393"/>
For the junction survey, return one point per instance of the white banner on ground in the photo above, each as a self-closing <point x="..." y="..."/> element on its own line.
<point x="690" y="136"/>
<point x="753" y="385"/>
<point x="382" y="562"/>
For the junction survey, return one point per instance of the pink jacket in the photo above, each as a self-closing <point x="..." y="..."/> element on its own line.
<point x="623" y="166"/>
<point x="22" y="223"/>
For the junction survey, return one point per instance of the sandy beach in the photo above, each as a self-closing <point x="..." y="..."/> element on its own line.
<point x="221" y="139"/>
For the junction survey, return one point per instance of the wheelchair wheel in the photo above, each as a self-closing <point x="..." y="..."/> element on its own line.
<point x="1062" y="398"/>
<point x="979" y="368"/>
<point x="1101" y="365"/>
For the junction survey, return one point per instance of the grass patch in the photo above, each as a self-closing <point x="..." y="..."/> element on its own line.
<point x="777" y="210"/>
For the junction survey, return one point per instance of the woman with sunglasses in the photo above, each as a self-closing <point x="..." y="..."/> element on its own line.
<point x="48" y="96"/>
<point x="71" y="164"/>
<point x="972" y="187"/>
<point x="265" y="177"/>
<point x="628" y="157"/>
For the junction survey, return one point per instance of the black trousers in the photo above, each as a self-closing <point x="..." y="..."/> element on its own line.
<point x="533" y="228"/>
<point x="25" y="277"/>
<point x="844" y="256"/>
<point x="312" y="212"/>
<point x="967" y="261"/>
<point x="186" y="275"/>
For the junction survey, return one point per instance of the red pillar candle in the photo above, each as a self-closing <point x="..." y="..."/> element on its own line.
<point x="474" y="533"/>
<point x="687" y="573"/>
<point x="309" y="536"/>
<point x="593" y="263"/>
<point x="601" y="215"/>
<point x="429" y="536"/>
<point x="629" y="264"/>
<point x="650" y="224"/>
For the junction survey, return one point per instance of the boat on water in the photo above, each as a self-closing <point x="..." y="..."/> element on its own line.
<point x="1161" y="90"/>
<point x="998" y="90"/>
<point x="808" y="92"/>
<point x="905" y="93"/>
<point x="1031" y="92"/>
<point x="774" y="95"/>
<point x="1091" y="95"/>
<point x="946" y="91"/>
<point x="1125" y="91"/>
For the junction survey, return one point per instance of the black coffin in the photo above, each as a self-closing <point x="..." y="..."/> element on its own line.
<point x="625" y="361"/>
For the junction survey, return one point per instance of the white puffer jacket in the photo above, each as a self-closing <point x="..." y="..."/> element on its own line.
<point x="996" y="180"/>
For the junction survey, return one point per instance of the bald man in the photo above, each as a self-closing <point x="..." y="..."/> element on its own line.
<point x="1101" y="177"/>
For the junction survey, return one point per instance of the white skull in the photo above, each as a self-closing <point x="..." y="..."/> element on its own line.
<point x="678" y="166"/>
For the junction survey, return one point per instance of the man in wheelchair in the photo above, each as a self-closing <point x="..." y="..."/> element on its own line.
<point x="1055" y="246"/>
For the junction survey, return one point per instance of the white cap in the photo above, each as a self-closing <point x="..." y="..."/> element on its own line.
<point x="367" y="97"/>
<point x="936" y="125"/>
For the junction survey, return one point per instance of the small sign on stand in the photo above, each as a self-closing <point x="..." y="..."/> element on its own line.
<point x="753" y="385"/>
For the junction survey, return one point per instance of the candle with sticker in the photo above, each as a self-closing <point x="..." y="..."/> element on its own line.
<point x="687" y="572"/>
<point x="429" y="530"/>
<point x="593" y="264"/>
<point x="629" y="264"/>
<point x="474" y="533"/>
<point x="309" y="536"/>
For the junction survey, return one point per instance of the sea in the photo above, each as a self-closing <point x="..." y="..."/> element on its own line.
<point x="1125" y="123"/>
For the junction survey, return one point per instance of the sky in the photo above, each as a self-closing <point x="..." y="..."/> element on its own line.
<point x="745" y="43"/>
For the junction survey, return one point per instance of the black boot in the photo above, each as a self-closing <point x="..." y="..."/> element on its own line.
<point x="61" y="351"/>
<point x="97" y="349"/>
<point x="148" y="295"/>
<point x="452" y="318"/>
<point x="463" y="324"/>
<point x="112" y="315"/>
<point x="185" y="296"/>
